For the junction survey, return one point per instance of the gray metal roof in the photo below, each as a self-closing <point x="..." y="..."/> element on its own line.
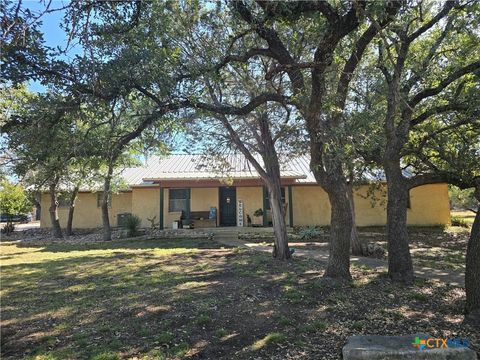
<point x="200" y="167"/>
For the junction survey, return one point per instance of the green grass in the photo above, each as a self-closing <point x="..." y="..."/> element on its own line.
<point x="314" y="326"/>
<point x="418" y="296"/>
<point x="464" y="217"/>
<point x="168" y="299"/>
<point x="97" y="300"/>
<point x="220" y="333"/>
<point x="269" y="339"/>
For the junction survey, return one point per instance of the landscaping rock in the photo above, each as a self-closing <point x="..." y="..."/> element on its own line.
<point x="373" y="250"/>
<point x="95" y="235"/>
<point x="375" y="347"/>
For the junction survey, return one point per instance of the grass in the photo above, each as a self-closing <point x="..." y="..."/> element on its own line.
<point x="172" y="299"/>
<point x="465" y="216"/>
<point x="271" y="338"/>
<point x="313" y="327"/>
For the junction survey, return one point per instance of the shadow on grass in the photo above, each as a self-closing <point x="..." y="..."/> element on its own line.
<point x="196" y="302"/>
<point x="154" y="243"/>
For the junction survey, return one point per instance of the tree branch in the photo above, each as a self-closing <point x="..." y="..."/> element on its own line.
<point x="472" y="67"/>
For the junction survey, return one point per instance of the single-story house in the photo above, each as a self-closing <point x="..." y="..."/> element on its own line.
<point x="212" y="196"/>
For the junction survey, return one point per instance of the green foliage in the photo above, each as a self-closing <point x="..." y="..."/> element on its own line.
<point x="462" y="199"/>
<point x="458" y="221"/>
<point x="132" y="223"/>
<point x="153" y="223"/>
<point x="308" y="233"/>
<point x="13" y="199"/>
<point x="258" y="213"/>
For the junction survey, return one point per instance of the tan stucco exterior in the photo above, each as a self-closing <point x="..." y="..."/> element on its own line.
<point x="310" y="206"/>
<point x="146" y="204"/>
<point x="252" y="200"/>
<point x="87" y="214"/>
<point x="429" y="205"/>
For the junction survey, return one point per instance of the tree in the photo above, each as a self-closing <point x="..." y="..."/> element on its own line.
<point x="462" y="199"/>
<point x="453" y="154"/>
<point x="259" y="133"/>
<point x="13" y="201"/>
<point x="425" y="60"/>
<point x="303" y="39"/>
<point x="42" y="139"/>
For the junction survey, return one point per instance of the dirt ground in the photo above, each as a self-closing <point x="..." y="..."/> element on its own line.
<point x="165" y="299"/>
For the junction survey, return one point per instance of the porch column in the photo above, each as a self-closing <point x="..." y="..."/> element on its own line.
<point x="290" y="206"/>
<point x="265" y="205"/>
<point x="161" y="208"/>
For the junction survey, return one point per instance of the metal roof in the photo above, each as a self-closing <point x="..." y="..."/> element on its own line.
<point x="201" y="167"/>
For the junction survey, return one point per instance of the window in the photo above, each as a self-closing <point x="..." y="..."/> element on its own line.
<point x="267" y="201"/>
<point x="99" y="199"/>
<point x="178" y="200"/>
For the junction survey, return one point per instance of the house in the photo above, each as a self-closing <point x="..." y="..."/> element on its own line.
<point x="210" y="193"/>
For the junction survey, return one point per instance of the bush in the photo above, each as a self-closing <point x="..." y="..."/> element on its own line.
<point x="132" y="223"/>
<point x="458" y="221"/>
<point x="258" y="213"/>
<point x="8" y="228"/>
<point x="309" y="232"/>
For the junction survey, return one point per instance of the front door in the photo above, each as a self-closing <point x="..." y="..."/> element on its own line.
<point x="228" y="206"/>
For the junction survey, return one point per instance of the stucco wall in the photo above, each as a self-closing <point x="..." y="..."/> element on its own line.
<point x="252" y="200"/>
<point x="146" y="204"/>
<point x="202" y="199"/>
<point x="310" y="206"/>
<point x="87" y="214"/>
<point x="370" y="210"/>
<point x="429" y="205"/>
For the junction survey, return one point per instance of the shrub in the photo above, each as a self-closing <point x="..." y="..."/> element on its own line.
<point x="458" y="221"/>
<point x="309" y="232"/>
<point x="132" y="223"/>
<point x="8" y="228"/>
<point x="258" y="213"/>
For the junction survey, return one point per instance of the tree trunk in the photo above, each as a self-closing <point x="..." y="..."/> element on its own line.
<point x="355" y="245"/>
<point x="53" y="210"/>
<point x="400" y="267"/>
<point x="472" y="273"/>
<point x="272" y="180"/>
<point x="71" y="210"/>
<point x="341" y="222"/>
<point x="107" y="231"/>
<point x="280" y="248"/>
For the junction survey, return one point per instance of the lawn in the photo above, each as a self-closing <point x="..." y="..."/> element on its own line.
<point x="157" y="299"/>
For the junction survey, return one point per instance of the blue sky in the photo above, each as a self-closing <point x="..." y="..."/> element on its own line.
<point x="50" y="26"/>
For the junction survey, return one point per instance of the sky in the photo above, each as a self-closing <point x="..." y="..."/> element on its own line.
<point x="54" y="36"/>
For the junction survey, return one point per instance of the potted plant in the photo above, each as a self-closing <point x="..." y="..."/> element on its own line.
<point x="258" y="217"/>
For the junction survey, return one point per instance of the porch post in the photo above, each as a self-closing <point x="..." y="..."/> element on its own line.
<point x="187" y="210"/>
<point x="290" y="206"/>
<point x="265" y="205"/>
<point x="161" y="207"/>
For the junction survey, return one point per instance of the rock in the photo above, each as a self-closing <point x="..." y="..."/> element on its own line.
<point x="376" y="347"/>
<point x="373" y="250"/>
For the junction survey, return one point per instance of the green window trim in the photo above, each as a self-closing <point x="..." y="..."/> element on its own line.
<point x="161" y="207"/>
